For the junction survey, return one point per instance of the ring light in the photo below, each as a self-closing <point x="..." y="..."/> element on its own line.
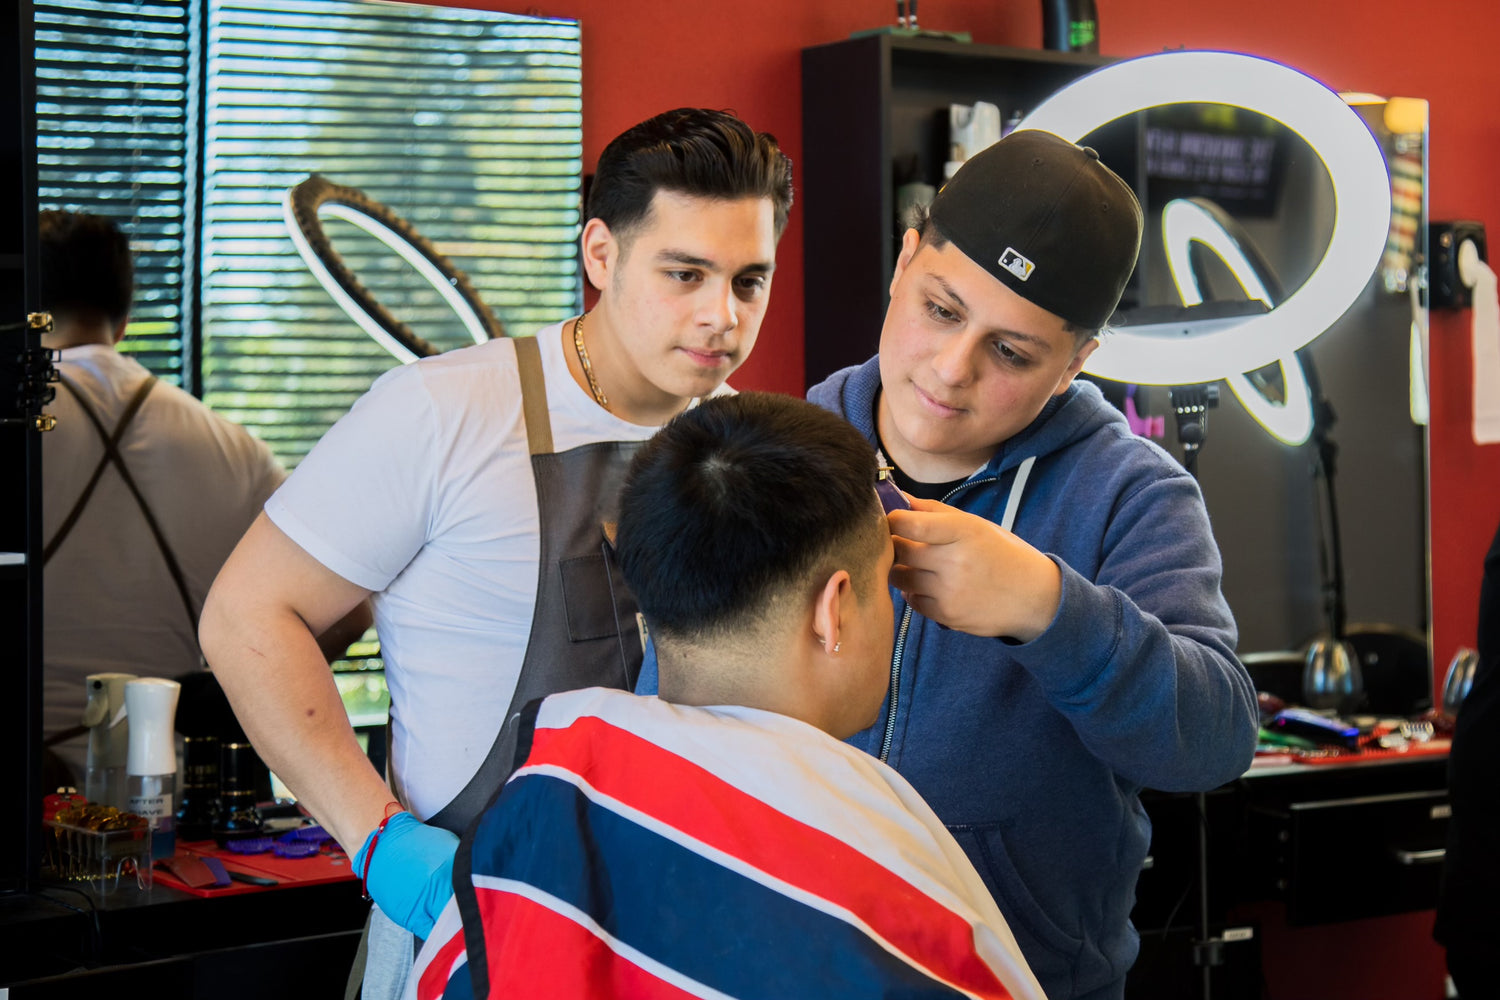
<point x="317" y="195"/>
<point x="1336" y="133"/>
<point x="1185" y="221"/>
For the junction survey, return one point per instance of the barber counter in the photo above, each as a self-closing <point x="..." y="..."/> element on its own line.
<point x="1320" y="879"/>
<point x="1314" y="872"/>
<point x="294" y="938"/>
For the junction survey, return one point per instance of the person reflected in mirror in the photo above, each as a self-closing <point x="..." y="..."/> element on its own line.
<point x="1468" y="923"/>
<point x="721" y="836"/>
<point x="147" y="490"/>
<point x="1062" y="639"/>
<point x="470" y="495"/>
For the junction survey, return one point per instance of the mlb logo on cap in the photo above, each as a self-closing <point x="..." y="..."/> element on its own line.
<point x="1016" y="264"/>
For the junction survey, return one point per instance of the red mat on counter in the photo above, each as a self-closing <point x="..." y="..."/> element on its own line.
<point x="1431" y="748"/>
<point x="312" y="870"/>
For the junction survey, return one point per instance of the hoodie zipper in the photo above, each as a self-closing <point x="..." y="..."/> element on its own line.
<point x="899" y="655"/>
<point x="890" y="718"/>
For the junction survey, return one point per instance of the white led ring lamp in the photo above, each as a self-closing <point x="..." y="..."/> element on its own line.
<point x="1185" y="221"/>
<point x="1362" y="201"/>
<point x="317" y="195"/>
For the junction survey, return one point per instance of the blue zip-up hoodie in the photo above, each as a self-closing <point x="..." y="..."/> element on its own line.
<point x="1033" y="754"/>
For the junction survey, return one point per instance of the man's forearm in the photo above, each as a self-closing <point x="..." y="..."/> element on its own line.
<point x="259" y="633"/>
<point x="285" y="698"/>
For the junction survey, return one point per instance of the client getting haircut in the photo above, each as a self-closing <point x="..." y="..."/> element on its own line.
<point x="691" y="151"/>
<point x="741" y="504"/>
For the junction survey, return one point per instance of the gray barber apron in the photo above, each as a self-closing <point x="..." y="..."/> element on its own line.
<point x="584" y="625"/>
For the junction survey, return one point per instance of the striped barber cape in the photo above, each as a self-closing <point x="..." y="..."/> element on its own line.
<point x="652" y="850"/>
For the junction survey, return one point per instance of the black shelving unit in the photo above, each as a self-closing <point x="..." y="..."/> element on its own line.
<point x="20" y="460"/>
<point x="873" y="105"/>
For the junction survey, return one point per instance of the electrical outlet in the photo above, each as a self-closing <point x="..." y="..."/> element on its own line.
<point x="1445" y="289"/>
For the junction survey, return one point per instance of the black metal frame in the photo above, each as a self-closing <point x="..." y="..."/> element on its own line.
<point x="20" y="448"/>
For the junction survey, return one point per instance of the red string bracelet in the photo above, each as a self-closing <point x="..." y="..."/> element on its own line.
<point x="364" y="875"/>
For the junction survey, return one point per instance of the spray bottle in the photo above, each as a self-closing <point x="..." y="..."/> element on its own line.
<point x="105" y="716"/>
<point x="151" y="762"/>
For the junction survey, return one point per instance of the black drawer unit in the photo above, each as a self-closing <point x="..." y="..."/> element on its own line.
<point x="1350" y="858"/>
<point x="1327" y="842"/>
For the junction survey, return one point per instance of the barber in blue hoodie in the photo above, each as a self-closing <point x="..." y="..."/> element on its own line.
<point x="1061" y="638"/>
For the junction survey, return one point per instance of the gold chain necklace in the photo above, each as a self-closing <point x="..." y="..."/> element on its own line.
<point x="583" y="359"/>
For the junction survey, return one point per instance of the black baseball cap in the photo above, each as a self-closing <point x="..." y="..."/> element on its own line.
<point x="1047" y="219"/>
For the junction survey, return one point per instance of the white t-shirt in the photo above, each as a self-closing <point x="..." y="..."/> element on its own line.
<point x="423" y="494"/>
<point x="110" y="603"/>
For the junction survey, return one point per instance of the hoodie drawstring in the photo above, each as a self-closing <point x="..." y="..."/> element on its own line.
<point x="1013" y="502"/>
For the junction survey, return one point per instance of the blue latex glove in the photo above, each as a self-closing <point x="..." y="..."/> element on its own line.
<point x="411" y="871"/>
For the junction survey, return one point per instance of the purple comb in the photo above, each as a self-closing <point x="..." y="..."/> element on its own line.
<point x="250" y="845"/>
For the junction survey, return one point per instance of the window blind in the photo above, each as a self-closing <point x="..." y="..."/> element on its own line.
<point x="466" y="123"/>
<point x="112" y="139"/>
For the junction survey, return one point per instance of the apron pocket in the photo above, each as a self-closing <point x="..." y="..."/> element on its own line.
<point x="586" y="598"/>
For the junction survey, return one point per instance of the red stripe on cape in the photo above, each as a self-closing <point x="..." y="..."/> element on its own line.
<point x="652" y="780"/>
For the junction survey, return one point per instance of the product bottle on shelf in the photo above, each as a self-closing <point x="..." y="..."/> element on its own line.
<point x="109" y="728"/>
<point x="151" y="762"/>
<point x="1070" y="26"/>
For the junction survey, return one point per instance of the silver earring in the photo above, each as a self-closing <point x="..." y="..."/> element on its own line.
<point x="836" y="646"/>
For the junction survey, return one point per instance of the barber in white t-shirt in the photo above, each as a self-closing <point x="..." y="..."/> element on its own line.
<point x="470" y="494"/>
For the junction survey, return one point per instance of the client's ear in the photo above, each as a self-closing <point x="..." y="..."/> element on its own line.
<point x="829" y="609"/>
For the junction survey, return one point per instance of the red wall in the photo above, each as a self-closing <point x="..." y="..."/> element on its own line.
<point x="640" y="58"/>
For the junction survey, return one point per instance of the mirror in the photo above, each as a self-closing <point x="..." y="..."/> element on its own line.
<point x="467" y="122"/>
<point x="1267" y="501"/>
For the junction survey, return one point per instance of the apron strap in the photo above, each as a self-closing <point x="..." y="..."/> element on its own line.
<point x="111" y="452"/>
<point x="112" y="456"/>
<point x="538" y="442"/>
<point x="356" y="979"/>
<point x="64" y="736"/>
<point x="534" y="396"/>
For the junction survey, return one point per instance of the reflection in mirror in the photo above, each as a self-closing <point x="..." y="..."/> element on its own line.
<point x="1285" y="575"/>
<point x="187" y="121"/>
<point x="396" y="286"/>
<point x="304" y="208"/>
<point x="468" y="123"/>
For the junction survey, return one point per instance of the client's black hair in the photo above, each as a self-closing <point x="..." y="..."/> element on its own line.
<point x="737" y="501"/>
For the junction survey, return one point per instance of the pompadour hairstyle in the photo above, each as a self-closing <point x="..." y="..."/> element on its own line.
<point x="692" y="151"/>
<point x="739" y="501"/>
<point x="86" y="267"/>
